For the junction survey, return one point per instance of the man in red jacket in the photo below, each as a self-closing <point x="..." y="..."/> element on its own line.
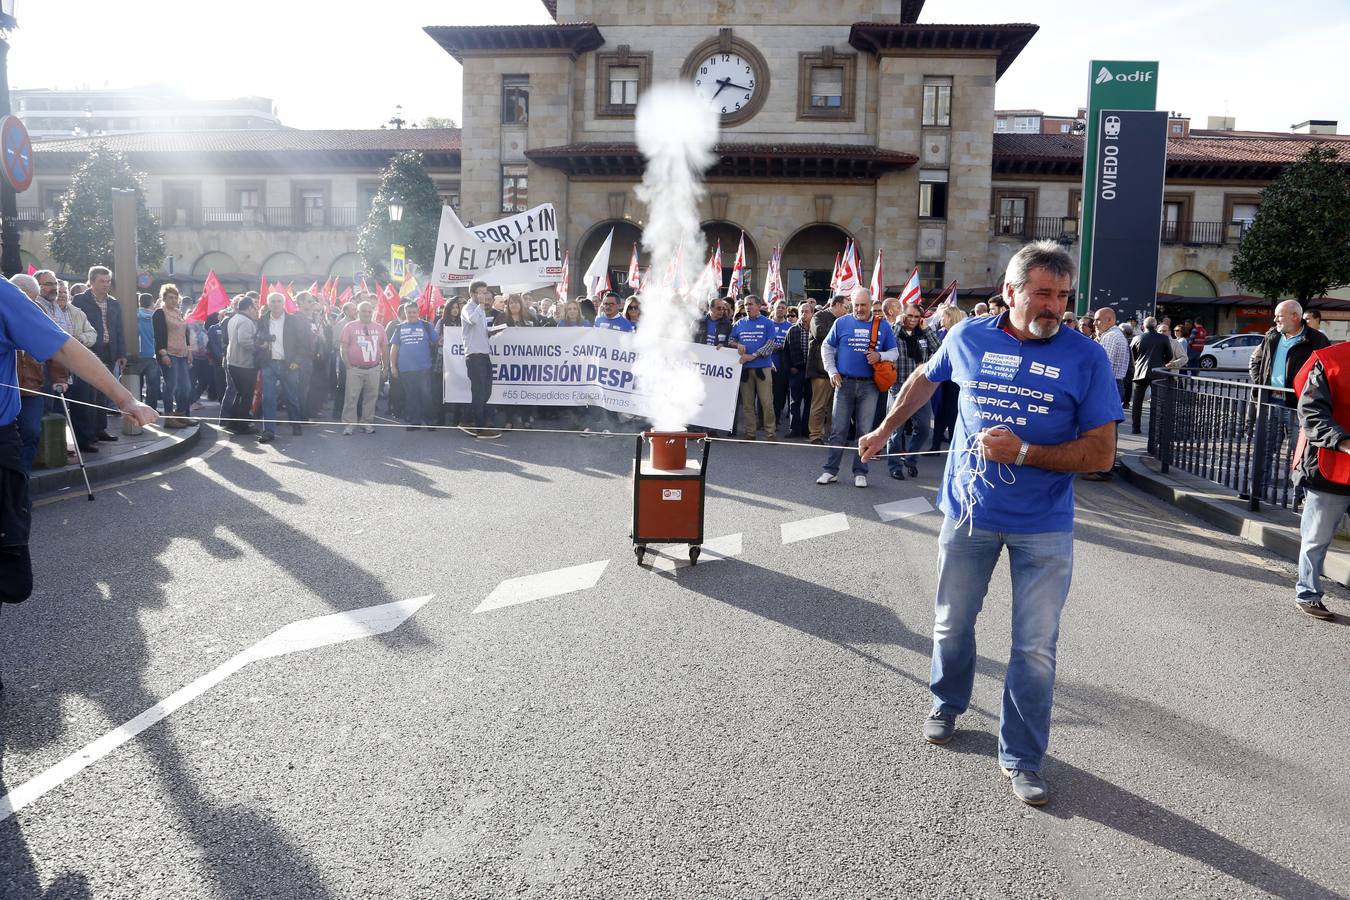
<point x="1322" y="466"/>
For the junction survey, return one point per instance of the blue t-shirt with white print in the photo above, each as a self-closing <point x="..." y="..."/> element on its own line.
<point x="1046" y="391"/>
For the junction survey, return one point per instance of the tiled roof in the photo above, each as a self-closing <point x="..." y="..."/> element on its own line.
<point x="1206" y="156"/>
<point x="573" y="38"/>
<point x="888" y="37"/>
<point x="735" y="160"/>
<point x="283" y="140"/>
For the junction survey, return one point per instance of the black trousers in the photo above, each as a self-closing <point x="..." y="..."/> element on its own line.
<point x="16" y="516"/>
<point x="479" y="366"/>
<point x="244" y="380"/>
<point x="1137" y="403"/>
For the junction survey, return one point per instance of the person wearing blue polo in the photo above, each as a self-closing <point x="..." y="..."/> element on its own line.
<point x="411" y="351"/>
<point x="1038" y="405"/>
<point x="24" y="326"/>
<point x="848" y="354"/>
<point x="781" y="326"/>
<point x="609" y="315"/>
<point x="756" y="339"/>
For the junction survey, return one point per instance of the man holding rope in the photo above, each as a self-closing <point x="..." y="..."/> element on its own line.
<point x="1038" y="404"/>
<point x="23" y="326"/>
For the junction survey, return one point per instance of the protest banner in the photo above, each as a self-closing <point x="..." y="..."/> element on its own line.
<point x="588" y="367"/>
<point x="520" y="250"/>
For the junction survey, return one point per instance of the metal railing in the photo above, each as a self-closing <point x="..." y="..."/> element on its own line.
<point x="1210" y="234"/>
<point x="1234" y="433"/>
<point x="1050" y="227"/>
<point x="1206" y="234"/>
<point x="262" y="217"/>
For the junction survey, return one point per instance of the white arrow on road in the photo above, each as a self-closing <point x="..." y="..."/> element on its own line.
<point x="307" y="634"/>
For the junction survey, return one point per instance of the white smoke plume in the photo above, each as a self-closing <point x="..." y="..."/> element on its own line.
<point x="676" y="132"/>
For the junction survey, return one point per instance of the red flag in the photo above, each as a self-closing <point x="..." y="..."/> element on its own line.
<point x="291" y="306"/>
<point x="314" y="289"/>
<point x="424" y="301"/>
<point x="262" y="291"/>
<point x="387" y="309"/>
<point x="345" y="297"/>
<point x="364" y="288"/>
<point x="563" y="278"/>
<point x="437" y="301"/>
<point x="32" y="269"/>
<point x="634" y="275"/>
<point x="213" y="299"/>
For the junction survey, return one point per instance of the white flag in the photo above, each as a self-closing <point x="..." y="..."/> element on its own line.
<point x="596" y="278"/>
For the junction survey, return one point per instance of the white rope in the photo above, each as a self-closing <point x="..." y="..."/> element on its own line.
<point x="581" y="431"/>
<point x="973" y="464"/>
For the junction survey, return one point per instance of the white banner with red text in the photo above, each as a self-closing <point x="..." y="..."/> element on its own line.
<point x="588" y="367"/>
<point x="521" y="252"/>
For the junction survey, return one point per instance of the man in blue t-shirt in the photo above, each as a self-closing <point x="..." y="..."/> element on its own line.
<point x="756" y="339"/>
<point x="411" y="350"/>
<point x="1038" y="404"/>
<point x="848" y="353"/>
<point x="781" y="326"/>
<point x="609" y="315"/>
<point x="24" y="326"/>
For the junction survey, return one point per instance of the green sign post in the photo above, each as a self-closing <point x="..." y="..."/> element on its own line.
<point x="1112" y="85"/>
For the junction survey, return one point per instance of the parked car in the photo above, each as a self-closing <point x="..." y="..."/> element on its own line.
<point x="1232" y="351"/>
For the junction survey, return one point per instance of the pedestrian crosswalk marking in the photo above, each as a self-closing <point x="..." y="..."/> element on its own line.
<point x="805" y="529"/>
<point x="903" y="509"/>
<point x="677" y="557"/>
<point x="515" y="591"/>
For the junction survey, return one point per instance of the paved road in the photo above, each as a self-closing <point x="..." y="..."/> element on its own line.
<point x="745" y="728"/>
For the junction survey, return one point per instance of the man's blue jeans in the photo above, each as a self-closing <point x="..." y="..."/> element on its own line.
<point x="279" y="376"/>
<point x="922" y="420"/>
<point x="855" y="400"/>
<point x="1322" y="512"/>
<point x="799" y="403"/>
<point x="31" y="410"/>
<point x="1042" y="567"/>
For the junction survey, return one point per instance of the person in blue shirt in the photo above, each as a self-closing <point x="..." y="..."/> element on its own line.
<point x="571" y="316"/>
<point x="847" y="354"/>
<point x="411" y="351"/>
<point x="1039" y="404"/>
<point x="24" y="326"/>
<point x="757" y="340"/>
<point x="609" y="315"/>
<point x="781" y="326"/>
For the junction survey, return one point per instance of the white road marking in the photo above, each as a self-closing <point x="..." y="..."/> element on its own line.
<point x="903" y="509"/>
<point x="677" y="557"/>
<point x="515" y="591"/>
<point x="805" y="529"/>
<point x="307" y="634"/>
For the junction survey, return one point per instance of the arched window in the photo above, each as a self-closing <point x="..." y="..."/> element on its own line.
<point x="808" y="260"/>
<point x="730" y="236"/>
<point x="283" y="264"/>
<point x="215" y="261"/>
<point x="1189" y="283"/>
<point x="345" y="266"/>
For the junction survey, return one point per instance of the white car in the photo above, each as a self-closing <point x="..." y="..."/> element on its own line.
<point x="1231" y="352"/>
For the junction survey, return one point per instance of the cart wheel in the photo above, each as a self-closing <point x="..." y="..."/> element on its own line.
<point x="693" y="554"/>
<point x="640" y="550"/>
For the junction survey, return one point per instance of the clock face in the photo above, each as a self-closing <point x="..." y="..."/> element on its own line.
<point x="727" y="81"/>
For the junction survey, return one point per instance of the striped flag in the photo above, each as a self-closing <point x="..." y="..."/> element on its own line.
<point x="634" y="274"/>
<point x="848" y="270"/>
<point x="738" y="271"/>
<point x="913" y="292"/>
<point x="773" y="282"/>
<point x="878" y="279"/>
<point x="834" y="277"/>
<point x="565" y="276"/>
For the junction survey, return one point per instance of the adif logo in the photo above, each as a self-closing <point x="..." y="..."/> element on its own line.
<point x="1104" y="75"/>
<point x="1043" y="369"/>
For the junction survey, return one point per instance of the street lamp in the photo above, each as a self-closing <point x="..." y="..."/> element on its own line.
<point x="395" y="208"/>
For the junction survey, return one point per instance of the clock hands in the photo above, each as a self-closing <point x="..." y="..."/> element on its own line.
<point x="724" y="83"/>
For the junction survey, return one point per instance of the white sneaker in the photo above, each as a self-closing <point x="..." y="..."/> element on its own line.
<point x="827" y="478"/>
<point x="860" y="481"/>
<point x="348" y="430"/>
<point x="370" y="429"/>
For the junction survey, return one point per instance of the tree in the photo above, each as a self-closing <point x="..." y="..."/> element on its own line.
<point x="82" y="233"/>
<point x="439" y="122"/>
<point x="1299" y="243"/>
<point x="407" y="178"/>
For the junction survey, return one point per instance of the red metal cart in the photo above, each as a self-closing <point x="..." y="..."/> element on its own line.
<point x="668" y="492"/>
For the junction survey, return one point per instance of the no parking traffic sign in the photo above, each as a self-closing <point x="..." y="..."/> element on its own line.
<point x="18" y="153"/>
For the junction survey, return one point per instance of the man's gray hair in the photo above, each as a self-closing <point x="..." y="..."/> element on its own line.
<point x="26" y="283"/>
<point x="1047" y="255"/>
<point x="1151" y="323"/>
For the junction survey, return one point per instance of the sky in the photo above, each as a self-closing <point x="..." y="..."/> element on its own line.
<point x="347" y="65"/>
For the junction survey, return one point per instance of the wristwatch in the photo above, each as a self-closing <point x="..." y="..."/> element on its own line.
<point x="1022" y="454"/>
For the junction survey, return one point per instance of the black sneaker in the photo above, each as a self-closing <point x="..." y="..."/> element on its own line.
<point x="912" y="470"/>
<point x="897" y="475"/>
<point x="1029" y="787"/>
<point x="1316" y="609"/>
<point x="939" y="727"/>
<point x="267" y="437"/>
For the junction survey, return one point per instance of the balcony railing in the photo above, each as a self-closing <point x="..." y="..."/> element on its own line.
<point x="262" y="217"/>
<point x="1200" y="234"/>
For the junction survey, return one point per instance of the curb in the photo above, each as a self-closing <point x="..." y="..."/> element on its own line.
<point x="168" y="447"/>
<point x="1277" y="530"/>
